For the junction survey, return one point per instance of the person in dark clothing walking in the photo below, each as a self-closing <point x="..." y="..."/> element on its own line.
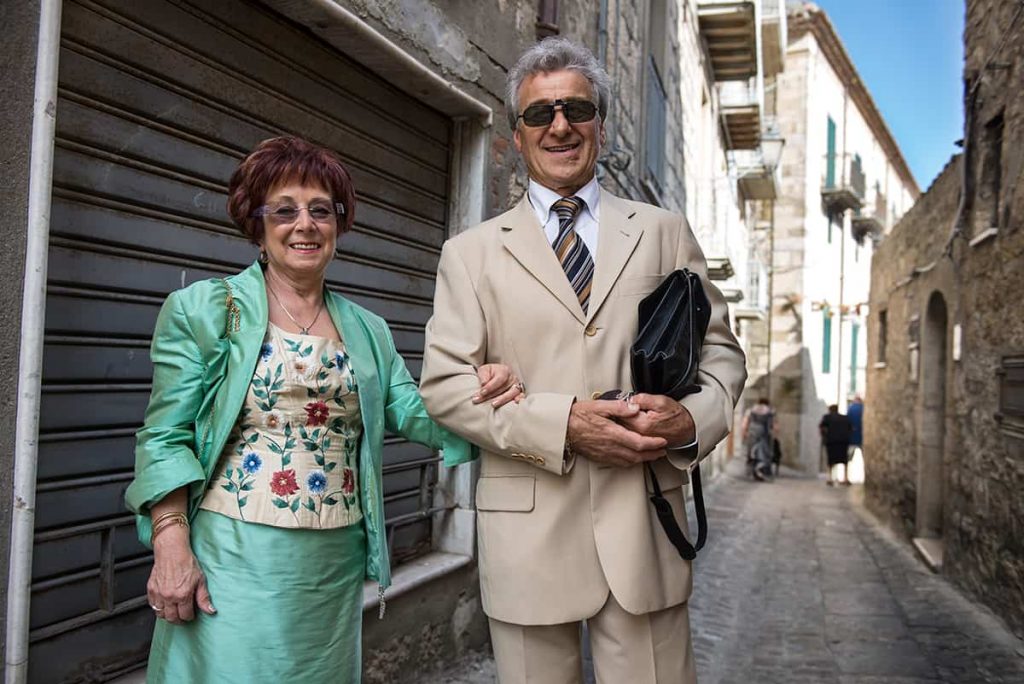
<point x="835" y="433"/>
<point x="855" y="412"/>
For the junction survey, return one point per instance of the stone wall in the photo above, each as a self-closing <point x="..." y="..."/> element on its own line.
<point x="982" y="510"/>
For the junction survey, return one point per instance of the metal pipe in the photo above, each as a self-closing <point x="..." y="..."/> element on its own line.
<point x="30" y="360"/>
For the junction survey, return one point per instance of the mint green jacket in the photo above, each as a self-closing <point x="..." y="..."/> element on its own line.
<point x="205" y="347"/>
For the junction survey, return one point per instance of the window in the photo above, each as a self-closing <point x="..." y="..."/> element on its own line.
<point x="883" y="334"/>
<point x="857" y="177"/>
<point x="990" y="181"/>
<point x="826" y="342"/>
<point x="547" y="19"/>
<point x="830" y="155"/>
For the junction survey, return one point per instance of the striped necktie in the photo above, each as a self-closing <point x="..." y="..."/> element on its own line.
<point x="572" y="253"/>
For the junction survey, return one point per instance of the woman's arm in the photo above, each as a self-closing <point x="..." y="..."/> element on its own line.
<point x="176" y="582"/>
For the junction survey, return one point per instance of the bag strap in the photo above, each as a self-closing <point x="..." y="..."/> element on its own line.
<point x="663" y="508"/>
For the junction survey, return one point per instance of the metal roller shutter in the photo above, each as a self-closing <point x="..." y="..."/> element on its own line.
<point x="158" y="102"/>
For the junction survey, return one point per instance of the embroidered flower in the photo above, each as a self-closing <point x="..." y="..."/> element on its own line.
<point x="303" y="368"/>
<point x="252" y="463"/>
<point x="340" y="360"/>
<point x="316" y="482"/>
<point x="272" y="420"/>
<point x="348" y="482"/>
<point x="266" y="351"/>
<point x="316" y="413"/>
<point x="283" y="483"/>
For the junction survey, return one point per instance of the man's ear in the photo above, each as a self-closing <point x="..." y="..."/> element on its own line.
<point x="516" y="139"/>
<point x="602" y="137"/>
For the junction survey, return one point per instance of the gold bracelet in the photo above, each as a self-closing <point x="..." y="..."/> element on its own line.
<point x="168" y="520"/>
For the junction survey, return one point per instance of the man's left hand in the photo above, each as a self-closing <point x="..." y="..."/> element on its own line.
<point x="662" y="416"/>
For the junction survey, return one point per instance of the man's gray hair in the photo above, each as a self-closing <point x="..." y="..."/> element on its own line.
<point x="554" y="54"/>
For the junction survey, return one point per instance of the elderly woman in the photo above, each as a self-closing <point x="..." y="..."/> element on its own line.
<point x="258" y="468"/>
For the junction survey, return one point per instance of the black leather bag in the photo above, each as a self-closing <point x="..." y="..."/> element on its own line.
<point x="664" y="359"/>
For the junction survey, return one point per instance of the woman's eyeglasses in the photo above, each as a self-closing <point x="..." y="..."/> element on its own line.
<point x="286" y="214"/>
<point x="575" y="112"/>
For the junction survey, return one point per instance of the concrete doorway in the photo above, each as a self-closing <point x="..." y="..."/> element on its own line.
<point x="932" y="432"/>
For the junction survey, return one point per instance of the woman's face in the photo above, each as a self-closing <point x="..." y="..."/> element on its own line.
<point x="300" y="230"/>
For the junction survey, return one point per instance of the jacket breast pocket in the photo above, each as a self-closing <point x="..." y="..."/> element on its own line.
<point x="639" y="285"/>
<point x="512" y="493"/>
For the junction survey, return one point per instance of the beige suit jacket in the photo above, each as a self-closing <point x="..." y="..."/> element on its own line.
<point x="552" y="543"/>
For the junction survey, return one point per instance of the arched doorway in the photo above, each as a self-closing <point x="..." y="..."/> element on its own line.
<point x="932" y="427"/>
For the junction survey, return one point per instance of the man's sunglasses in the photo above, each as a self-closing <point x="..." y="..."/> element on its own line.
<point x="575" y="112"/>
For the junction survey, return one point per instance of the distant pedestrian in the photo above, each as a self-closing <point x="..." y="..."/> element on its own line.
<point x="758" y="431"/>
<point x="835" y="433"/>
<point x="855" y="412"/>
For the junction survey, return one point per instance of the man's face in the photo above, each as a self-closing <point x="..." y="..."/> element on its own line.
<point x="560" y="156"/>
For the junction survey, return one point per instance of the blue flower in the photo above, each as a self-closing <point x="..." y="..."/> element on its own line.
<point x="340" y="359"/>
<point x="266" y="351"/>
<point x="252" y="463"/>
<point x="316" y="482"/>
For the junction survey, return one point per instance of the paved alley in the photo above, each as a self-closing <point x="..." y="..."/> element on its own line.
<point x="798" y="586"/>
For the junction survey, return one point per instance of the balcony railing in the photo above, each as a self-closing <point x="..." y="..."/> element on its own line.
<point x="842" y="183"/>
<point x="756" y="180"/>
<point x="729" y="27"/>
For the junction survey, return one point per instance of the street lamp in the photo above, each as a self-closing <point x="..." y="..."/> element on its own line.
<point x="771" y="149"/>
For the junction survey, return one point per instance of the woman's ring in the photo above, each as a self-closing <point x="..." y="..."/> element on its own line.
<point x="519" y="386"/>
<point x="156" y="609"/>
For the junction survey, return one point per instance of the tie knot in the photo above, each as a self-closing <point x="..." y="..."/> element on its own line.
<point x="567" y="207"/>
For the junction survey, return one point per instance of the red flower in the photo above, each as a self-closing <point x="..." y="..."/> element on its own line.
<point x="283" y="483"/>
<point x="316" y="413"/>
<point x="348" y="482"/>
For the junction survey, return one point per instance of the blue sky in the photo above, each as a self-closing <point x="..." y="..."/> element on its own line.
<point x="910" y="55"/>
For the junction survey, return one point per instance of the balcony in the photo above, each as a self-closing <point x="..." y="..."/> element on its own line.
<point x="842" y="184"/>
<point x="756" y="179"/>
<point x="741" y="113"/>
<point x="729" y="27"/>
<point x="773" y="36"/>
<point x="866" y="225"/>
<point x="720" y="268"/>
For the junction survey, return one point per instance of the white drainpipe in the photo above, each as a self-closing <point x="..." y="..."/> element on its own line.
<point x="30" y="362"/>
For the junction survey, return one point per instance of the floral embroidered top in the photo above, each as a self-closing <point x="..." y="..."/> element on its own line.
<point x="291" y="459"/>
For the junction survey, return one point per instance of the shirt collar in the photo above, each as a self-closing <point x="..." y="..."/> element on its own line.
<point x="541" y="198"/>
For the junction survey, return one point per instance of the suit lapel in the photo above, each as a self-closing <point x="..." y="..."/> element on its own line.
<point x="619" y="235"/>
<point x="525" y="240"/>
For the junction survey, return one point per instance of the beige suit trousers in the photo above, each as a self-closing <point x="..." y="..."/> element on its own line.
<point x="653" y="648"/>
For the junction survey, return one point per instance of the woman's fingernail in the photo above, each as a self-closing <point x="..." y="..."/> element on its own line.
<point x="476" y="398"/>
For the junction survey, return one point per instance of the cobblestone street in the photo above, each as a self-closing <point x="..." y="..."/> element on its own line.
<point x="799" y="586"/>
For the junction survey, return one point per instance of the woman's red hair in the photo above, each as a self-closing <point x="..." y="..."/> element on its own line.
<point x="280" y="160"/>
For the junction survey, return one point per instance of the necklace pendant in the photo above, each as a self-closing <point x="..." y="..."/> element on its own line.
<point x="304" y="331"/>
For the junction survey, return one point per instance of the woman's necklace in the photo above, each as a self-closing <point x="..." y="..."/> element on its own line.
<point x="303" y="329"/>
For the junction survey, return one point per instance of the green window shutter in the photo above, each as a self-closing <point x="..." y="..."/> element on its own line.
<point x="826" y="343"/>
<point x="830" y="159"/>
<point x="854" y="334"/>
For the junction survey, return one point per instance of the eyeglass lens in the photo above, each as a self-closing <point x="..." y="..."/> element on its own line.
<point x="575" y="111"/>
<point x="288" y="213"/>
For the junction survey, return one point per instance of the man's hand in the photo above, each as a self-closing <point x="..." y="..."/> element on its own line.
<point x="595" y="432"/>
<point x="661" y="416"/>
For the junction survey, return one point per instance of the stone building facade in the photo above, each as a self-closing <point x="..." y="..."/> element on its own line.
<point x="944" y="420"/>
<point x="844" y="185"/>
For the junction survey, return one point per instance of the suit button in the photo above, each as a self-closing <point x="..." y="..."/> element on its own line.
<point x="590" y="331"/>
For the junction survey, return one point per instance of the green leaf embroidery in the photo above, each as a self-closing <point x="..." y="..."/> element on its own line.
<point x="330" y="466"/>
<point x="330" y="501"/>
<point x="307" y="351"/>
<point x="310" y="505"/>
<point x="319" y="459"/>
<point x="252" y="438"/>
<point x="274" y="447"/>
<point x="230" y="487"/>
<point x="288" y="430"/>
<point x="295" y="505"/>
<point x="247" y="487"/>
<point x="286" y="459"/>
<point x="241" y="502"/>
<point x="280" y="503"/>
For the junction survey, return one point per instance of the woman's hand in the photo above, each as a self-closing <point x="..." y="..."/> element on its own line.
<point x="177" y="583"/>
<point x="499" y="384"/>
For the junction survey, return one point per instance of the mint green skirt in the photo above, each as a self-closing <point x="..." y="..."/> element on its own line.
<point x="289" y="607"/>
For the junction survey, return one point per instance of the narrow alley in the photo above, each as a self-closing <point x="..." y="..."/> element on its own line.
<point x="799" y="586"/>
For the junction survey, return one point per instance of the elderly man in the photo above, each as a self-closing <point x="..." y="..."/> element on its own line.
<point x="551" y="287"/>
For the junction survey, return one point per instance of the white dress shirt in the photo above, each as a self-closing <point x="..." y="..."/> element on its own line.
<point x="542" y="198"/>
